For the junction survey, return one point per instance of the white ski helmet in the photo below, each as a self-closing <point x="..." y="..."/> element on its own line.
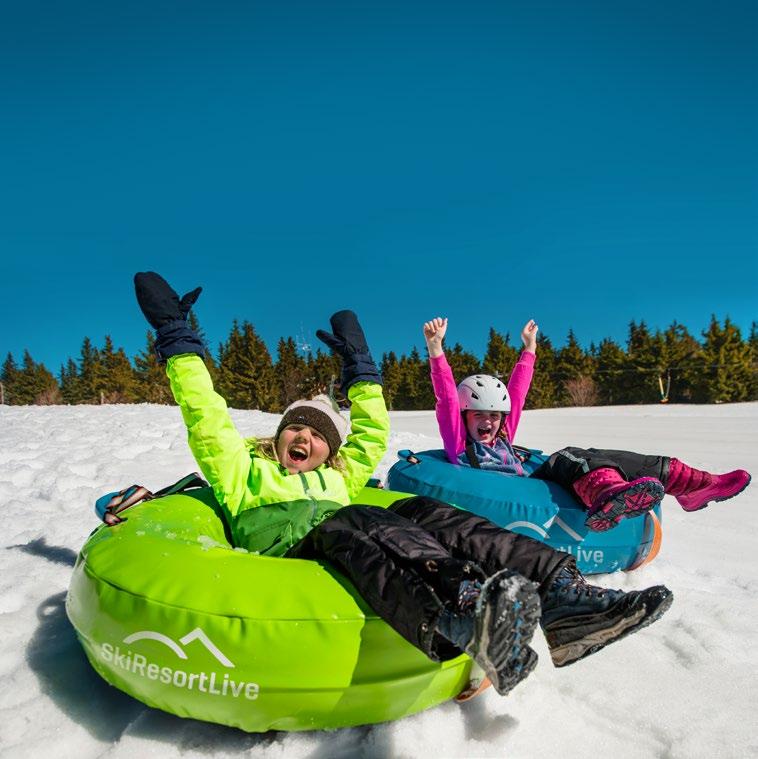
<point x="482" y="392"/>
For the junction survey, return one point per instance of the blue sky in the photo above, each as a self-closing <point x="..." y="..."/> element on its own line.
<point x="584" y="164"/>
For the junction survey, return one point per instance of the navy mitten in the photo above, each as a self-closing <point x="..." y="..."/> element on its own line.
<point x="167" y="314"/>
<point x="348" y="341"/>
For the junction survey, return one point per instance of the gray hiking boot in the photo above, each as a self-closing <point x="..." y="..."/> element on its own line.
<point x="506" y="614"/>
<point x="579" y="619"/>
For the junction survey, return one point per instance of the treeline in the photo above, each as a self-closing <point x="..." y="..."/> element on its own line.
<point x="672" y="365"/>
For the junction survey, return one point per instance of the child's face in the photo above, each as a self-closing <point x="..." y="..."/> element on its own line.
<point x="482" y="426"/>
<point x="301" y="449"/>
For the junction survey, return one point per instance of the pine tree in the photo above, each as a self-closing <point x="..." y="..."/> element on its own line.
<point x="323" y="375"/>
<point x="414" y="374"/>
<point x="34" y="384"/>
<point x="91" y="374"/>
<point x="245" y="373"/>
<point x="500" y="357"/>
<point x="24" y="388"/>
<point x="643" y="366"/>
<point x="9" y="377"/>
<point x="119" y="383"/>
<point x="571" y="364"/>
<point x="418" y="364"/>
<point x="463" y="363"/>
<point x="69" y="382"/>
<point x="151" y="383"/>
<point x="48" y="391"/>
<point x="610" y="365"/>
<point x="401" y="399"/>
<point x="391" y="376"/>
<point x="291" y="372"/>
<point x="681" y="359"/>
<point x="727" y="374"/>
<point x="543" y="391"/>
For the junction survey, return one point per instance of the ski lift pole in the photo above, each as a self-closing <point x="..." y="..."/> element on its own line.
<point x="665" y="394"/>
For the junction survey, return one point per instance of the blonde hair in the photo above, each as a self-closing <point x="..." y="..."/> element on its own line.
<point x="266" y="447"/>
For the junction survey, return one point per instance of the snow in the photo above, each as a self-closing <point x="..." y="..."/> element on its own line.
<point x="684" y="687"/>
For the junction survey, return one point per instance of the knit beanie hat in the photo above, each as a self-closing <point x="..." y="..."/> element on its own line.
<point x="321" y="413"/>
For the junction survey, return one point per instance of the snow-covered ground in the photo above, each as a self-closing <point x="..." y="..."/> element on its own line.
<point x="685" y="687"/>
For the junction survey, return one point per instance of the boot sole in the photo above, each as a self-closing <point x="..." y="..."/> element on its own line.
<point x="509" y="611"/>
<point x="718" y="500"/>
<point x="650" y="612"/>
<point x="632" y="502"/>
<point x="477" y="686"/>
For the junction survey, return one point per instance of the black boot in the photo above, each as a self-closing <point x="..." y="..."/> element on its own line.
<point x="505" y="617"/>
<point x="579" y="619"/>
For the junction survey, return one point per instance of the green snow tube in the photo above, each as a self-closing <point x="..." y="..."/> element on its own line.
<point x="170" y="613"/>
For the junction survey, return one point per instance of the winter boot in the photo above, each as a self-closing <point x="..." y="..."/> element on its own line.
<point x="609" y="497"/>
<point x="695" y="489"/>
<point x="505" y="615"/>
<point x="456" y="623"/>
<point x="579" y="619"/>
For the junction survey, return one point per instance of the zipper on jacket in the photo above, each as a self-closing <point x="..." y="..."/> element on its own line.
<point x="307" y="491"/>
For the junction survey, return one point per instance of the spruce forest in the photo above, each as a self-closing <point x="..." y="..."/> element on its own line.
<point x="669" y="366"/>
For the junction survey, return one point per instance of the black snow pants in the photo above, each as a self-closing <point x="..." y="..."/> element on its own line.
<point x="408" y="561"/>
<point x="569" y="464"/>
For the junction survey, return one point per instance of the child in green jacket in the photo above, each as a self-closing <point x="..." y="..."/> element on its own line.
<point x="273" y="491"/>
<point x="446" y="580"/>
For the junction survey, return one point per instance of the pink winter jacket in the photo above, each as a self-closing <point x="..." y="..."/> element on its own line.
<point x="448" y="411"/>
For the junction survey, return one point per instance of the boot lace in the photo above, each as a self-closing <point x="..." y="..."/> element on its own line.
<point x="571" y="580"/>
<point x="468" y="593"/>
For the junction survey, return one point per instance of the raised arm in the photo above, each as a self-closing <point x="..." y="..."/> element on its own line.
<point x="446" y="404"/>
<point x="218" y="448"/>
<point x="361" y="382"/>
<point x="521" y="377"/>
<point x="368" y="436"/>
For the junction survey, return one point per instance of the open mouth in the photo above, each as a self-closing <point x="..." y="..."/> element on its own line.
<point x="297" y="453"/>
<point x="484" y="431"/>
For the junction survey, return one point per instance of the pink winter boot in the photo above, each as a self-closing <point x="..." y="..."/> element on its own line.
<point x="694" y="489"/>
<point x="609" y="497"/>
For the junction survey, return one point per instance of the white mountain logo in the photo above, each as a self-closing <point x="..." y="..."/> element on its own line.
<point x="196" y="634"/>
<point x="541" y="530"/>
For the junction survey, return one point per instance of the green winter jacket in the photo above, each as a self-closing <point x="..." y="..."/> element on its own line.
<point x="268" y="509"/>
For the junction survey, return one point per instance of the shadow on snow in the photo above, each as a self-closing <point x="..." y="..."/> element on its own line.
<point x="55" y="656"/>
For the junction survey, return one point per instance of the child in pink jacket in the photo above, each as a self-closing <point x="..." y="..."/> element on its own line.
<point x="478" y="421"/>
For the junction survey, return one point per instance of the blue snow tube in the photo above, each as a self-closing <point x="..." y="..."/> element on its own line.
<point x="542" y="510"/>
